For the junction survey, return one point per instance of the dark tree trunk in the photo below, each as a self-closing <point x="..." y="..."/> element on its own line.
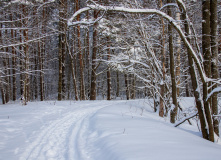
<point x="74" y="79"/>
<point x="163" y="59"/>
<point x="26" y="85"/>
<point x="214" y="61"/>
<point x="62" y="48"/>
<point x="108" y="73"/>
<point x="2" y="92"/>
<point x="41" y="52"/>
<point x="82" y="86"/>
<point x="127" y="86"/>
<point x="172" y="72"/>
<point x="1" y="79"/>
<point x="118" y="85"/>
<point x="195" y="84"/>
<point x="207" y="62"/>
<point x="94" y="56"/>
<point x="14" y="88"/>
<point x="21" y="48"/>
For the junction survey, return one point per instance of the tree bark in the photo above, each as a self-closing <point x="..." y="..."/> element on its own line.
<point x="178" y="51"/>
<point x="172" y="72"/>
<point x="2" y="92"/>
<point x="118" y="85"/>
<point x="127" y="86"/>
<point x="108" y="72"/>
<point x="74" y="79"/>
<point x="82" y="86"/>
<point x="62" y="48"/>
<point x="214" y="61"/>
<point x="195" y="84"/>
<point x="163" y="59"/>
<point x="14" y="88"/>
<point x="41" y="52"/>
<point x="207" y="62"/>
<point x="1" y="79"/>
<point x="26" y="86"/>
<point x="94" y="56"/>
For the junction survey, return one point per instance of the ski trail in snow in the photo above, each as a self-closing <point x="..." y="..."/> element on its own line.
<point x="63" y="138"/>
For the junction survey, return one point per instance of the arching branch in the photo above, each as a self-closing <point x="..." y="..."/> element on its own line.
<point x="146" y="11"/>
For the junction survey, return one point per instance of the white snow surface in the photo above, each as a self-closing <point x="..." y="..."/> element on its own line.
<point x="96" y="130"/>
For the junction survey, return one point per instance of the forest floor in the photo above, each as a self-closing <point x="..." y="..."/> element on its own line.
<point x="97" y="130"/>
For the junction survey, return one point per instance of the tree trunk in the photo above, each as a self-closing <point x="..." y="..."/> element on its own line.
<point x="21" y="49"/>
<point x="108" y="73"/>
<point x="26" y="93"/>
<point x="62" y="47"/>
<point x="178" y="51"/>
<point x="163" y="59"/>
<point x="94" y="56"/>
<point x="195" y="84"/>
<point x="118" y="85"/>
<point x="41" y="52"/>
<point x="172" y="72"/>
<point x="133" y="85"/>
<point x="82" y="86"/>
<point x="214" y="61"/>
<point x="6" y="64"/>
<point x="14" y="88"/>
<point x="127" y="86"/>
<point x="207" y="62"/>
<point x="2" y="92"/>
<point x="1" y="79"/>
<point x="74" y="79"/>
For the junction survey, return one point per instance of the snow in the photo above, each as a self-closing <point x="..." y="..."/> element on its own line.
<point x="215" y="90"/>
<point x="96" y="130"/>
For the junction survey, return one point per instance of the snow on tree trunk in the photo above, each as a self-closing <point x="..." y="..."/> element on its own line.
<point x="214" y="61"/>
<point x="62" y="47"/>
<point x="163" y="59"/>
<point x="172" y="72"/>
<point x="207" y="62"/>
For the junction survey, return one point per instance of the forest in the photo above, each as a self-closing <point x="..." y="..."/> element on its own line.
<point x="115" y="49"/>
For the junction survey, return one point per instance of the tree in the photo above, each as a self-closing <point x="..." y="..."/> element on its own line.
<point x="207" y="62"/>
<point x="162" y="85"/>
<point x="214" y="60"/>
<point x="94" y="66"/>
<point x="82" y="86"/>
<point x="172" y="70"/>
<point x="192" y="70"/>
<point x="62" y="47"/>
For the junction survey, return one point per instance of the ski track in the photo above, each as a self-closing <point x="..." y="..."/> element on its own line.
<point x="64" y="138"/>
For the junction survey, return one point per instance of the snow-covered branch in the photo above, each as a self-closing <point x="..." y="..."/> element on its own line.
<point x="70" y="21"/>
<point x="148" y="11"/>
<point x="186" y="118"/>
<point x="23" y="43"/>
<point x="215" y="90"/>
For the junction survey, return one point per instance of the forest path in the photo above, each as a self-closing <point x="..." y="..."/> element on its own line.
<point x="63" y="138"/>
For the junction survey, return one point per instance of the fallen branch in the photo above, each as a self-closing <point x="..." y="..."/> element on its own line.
<point x="186" y="118"/>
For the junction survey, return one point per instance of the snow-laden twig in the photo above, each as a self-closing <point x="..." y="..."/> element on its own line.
<point x="169" y="4"/>
<point x="184" y="119"/>
<point x="50" y="1"/>
<point x="23" y="43"/>
<point x="215" y="90"/>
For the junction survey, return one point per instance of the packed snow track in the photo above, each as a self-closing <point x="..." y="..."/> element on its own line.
<point x="63" y="139"/>
<point x="97" y="130"/>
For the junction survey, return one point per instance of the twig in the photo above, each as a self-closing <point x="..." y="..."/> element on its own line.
<point x="186" y="118"/>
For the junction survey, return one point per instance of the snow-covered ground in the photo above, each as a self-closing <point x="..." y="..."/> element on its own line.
<point x="97" y="130"/>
